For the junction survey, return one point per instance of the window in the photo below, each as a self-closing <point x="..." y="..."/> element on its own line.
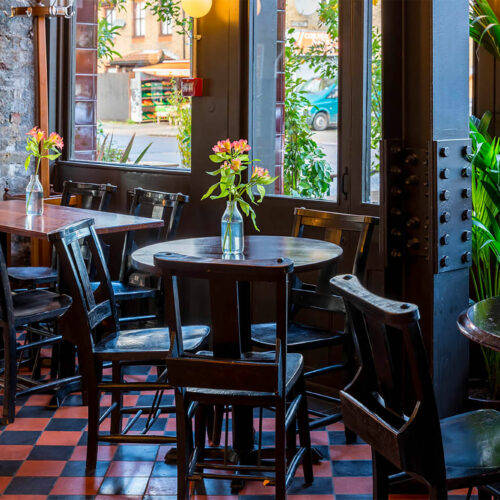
<point x="314" y="109"/>
<point x="139" y="19"/>
<point x="111" y="16"/>
<point x="301" y="138"/>
<point x="127" y="105"/>
<point x="166" y="27"/>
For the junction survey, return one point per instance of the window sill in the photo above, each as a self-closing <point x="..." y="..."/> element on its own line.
<point x="125" y="168"/>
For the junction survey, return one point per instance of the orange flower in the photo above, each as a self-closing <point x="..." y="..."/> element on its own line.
<point x="56" y="140"/>
<point x="260" y="172"/>
<point x="236" y="164"/>
<point x="37" y="134"/>
<point x="222" y="147"/>
<point x="241" y="146"/>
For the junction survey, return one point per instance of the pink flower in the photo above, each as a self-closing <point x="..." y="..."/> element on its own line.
<point x="36" y="133"/>
<point x="260" y="172"/>
<point x="56" y="140"/>
<point x="241" y="146"/>
<point x="222" y="147"/>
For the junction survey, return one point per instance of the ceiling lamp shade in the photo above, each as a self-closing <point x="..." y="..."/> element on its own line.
<point x="196" y="8"/>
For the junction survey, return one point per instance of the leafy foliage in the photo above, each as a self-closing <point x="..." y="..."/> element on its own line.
<point x="306" y="172"/>
<point x="170" y="10"/>
<point x="182" y="120"/>
<point x="484" y="27"/>
<point x="485" y="272"/>
<point x="376" y="101"/>
<point x="108" y="152"/>
<point x="106" y="32"/>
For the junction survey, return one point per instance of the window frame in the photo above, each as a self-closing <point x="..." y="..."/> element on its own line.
<point x="169" y="28"/>
<point x="139" y="19"/>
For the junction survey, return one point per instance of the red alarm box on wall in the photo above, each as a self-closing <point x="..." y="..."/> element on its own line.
<point x="192" y="87"/>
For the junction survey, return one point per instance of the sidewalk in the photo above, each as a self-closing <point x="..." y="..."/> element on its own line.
<point x="154" y="129"/>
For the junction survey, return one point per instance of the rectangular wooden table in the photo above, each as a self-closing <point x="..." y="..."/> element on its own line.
<point x="13" y="220"/>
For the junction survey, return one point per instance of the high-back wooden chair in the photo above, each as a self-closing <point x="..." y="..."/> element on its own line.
<point x="90" y="196"/>
<point x="229" y="377"/>
<point x="336" y="228"/>
<point x="20" y="311"/>
<point x="391" y="403"/>
<point x="92" y="326"/>
<point x="133" y="285"/>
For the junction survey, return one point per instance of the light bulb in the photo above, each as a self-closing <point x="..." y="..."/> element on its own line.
<point x="196" y="8"/>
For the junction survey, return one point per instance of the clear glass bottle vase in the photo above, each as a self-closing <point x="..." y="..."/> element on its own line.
<point x="34" y="196"/>
<point x="231" y="235"/>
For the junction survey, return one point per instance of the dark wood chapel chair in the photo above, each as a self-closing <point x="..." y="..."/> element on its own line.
<point x="19" y="311"/>
<point x="301" y="337"/>
<point x="391" y="403"/>
<point x="227" y="377"/>
<point x="90" y="196"/>
<point x="92" y="326"/>
<point x="133" y="285"/>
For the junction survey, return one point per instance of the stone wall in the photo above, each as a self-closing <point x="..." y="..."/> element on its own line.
<point x="17" y="96"/>
<point x="17" y="108"/>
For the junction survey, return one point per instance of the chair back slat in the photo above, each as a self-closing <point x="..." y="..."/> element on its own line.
<point x="157" y="205"/>
<point x="229" y="367"/>
<point x="93" y="313"/>
<point x="91" y="196"/>
<point x="390" y="403"/>
<point x="337" y="227"/>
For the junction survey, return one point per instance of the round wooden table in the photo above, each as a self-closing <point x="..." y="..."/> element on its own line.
<point x="481" y="323"/>
<point x="306" y="254"/>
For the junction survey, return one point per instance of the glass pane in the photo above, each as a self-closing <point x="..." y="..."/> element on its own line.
<point x="128" y="89"/>
<point x="294" y="94"/>
<point x="371" y="173"/>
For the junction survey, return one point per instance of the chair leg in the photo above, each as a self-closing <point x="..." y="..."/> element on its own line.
<point x="10" y="376"/>
<point x="216" y="427"/>
<point x="183" y="445"/>
<point x="280" y="451"/>
<point x="116" y="397"/>
<point x="304" y="435"/>
<point x="439" y="492"/>
<point x="380" y="476"/>
<point x="350" y="436"/>
<point x="93" y="420"/>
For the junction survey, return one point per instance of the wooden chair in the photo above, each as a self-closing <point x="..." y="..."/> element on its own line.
<point x="133" y="285"/>
<point x="92" y="326"/>
<point x="391" y="404"/>
<point x="90" y="196"/>
<point x="302" y="337"/>
<point x="17" y="311"/>
<point x="228" y="377"/>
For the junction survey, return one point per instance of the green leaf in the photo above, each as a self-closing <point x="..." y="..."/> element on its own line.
<point x="210" y="190"/>
<point x="141" y="155"/>
<point x="27" y="162"/>
<point x="216" y="158"/>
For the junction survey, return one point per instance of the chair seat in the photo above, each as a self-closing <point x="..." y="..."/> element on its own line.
<point x="125" y="291"/>
<point x="36" y="274"/>
<point x="471" y="443"/>
<point x="148" y="343"/>
<point x="294" y="368"/>
<point x="33" y="306"/>
<point x="300" y="337"/>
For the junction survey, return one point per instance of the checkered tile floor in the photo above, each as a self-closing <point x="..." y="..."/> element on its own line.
<point x="42" y="456"/>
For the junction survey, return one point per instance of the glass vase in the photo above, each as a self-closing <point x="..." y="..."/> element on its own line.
<point x="231" y="235"/>
<point x="34" y="196"/>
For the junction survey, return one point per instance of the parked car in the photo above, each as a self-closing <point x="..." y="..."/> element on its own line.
<point x="323" y="96"/>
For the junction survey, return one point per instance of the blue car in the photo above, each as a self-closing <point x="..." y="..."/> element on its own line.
<point x="323" y="96"/>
